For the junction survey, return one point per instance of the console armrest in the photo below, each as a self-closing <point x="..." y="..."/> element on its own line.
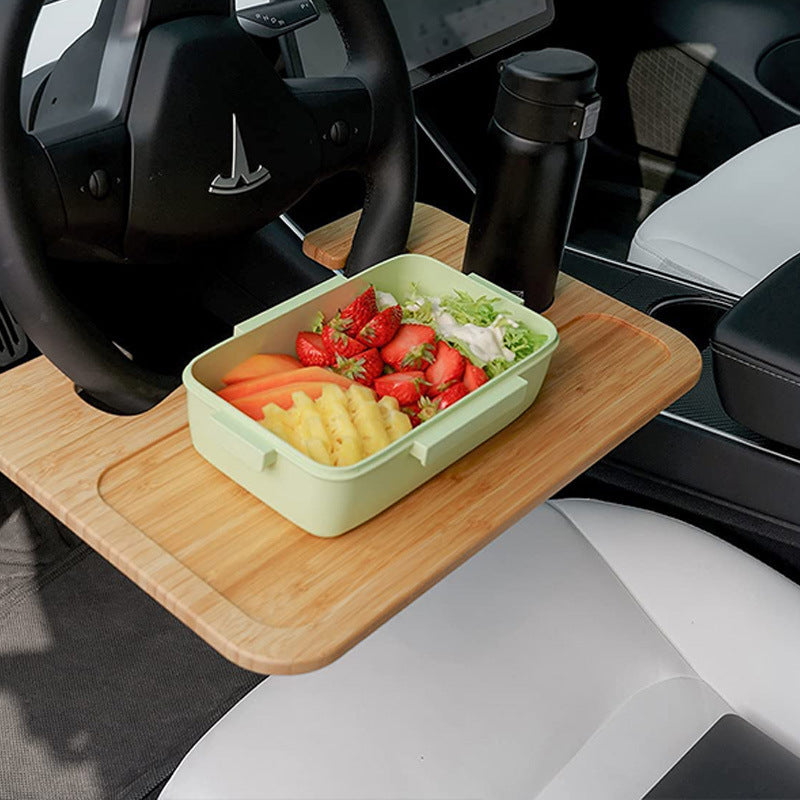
<point x="756" y="351"/>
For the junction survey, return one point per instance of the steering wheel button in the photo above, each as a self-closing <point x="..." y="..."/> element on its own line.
<point x="99" y="185"/>
<point x="275" y="19"/>
<point x="340" y="133"/>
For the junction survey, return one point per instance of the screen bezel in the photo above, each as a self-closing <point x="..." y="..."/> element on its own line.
<point x="446" y="64"/>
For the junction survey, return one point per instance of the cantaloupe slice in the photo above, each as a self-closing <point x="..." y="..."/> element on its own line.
<point x="253" y="405"/>
<point x="260" y="365"/>
<point x="259" y="385"/>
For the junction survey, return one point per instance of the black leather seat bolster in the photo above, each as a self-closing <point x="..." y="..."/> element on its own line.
<point x="756" y="351"/>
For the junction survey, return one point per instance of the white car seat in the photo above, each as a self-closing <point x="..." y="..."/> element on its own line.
<point x="735" y="226"/>
<point x="582" y="654"/>
<point x="58" y="26"/>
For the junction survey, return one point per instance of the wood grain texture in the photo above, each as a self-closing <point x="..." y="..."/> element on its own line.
<point x="433" y="233"/>
<point x="272" y="598"/>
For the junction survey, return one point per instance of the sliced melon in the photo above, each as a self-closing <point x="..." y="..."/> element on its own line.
<point x="253" y="405"/>
<point x="260" y="365"/>
<point x="269" y="382"/>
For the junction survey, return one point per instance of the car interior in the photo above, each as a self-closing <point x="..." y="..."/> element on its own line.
<point x="634" y="636"/>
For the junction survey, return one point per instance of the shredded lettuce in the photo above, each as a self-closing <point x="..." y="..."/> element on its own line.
<point x="494" y="368"/>
<point x="418" y="312"/>
<point x="417" y="308"/>
<point x="465" y="310"/>
<point x="519" y="340"/>
<point x="522" y="341"/>
<point x="318" y="323"/>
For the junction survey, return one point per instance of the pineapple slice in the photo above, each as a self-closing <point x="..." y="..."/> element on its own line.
<point x="337" y="421"/>
<point x="339" y="428"/>
<point x="346" y="447"/>
<point x="281" y="424"/>
<point x="332" y="400"/>
<point x="314" y="428"/>
<point x="302" y="403"/>
<point x="369" y="423"/>
<point x="348" y="451"/>
<point x="387" y="404"/>
<point x="310" y="428"/>
<point x="315" y="438"/>
<point x="277" y="421"/>
<point x="398" y="424"/>
<point x="367" y="418"/>
<point x="358" y="396"/>
<point x="319" y="451"/>
<point x="389" y="407"/>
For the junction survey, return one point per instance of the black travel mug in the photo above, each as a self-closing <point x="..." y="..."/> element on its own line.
<point x="547" y="108"/>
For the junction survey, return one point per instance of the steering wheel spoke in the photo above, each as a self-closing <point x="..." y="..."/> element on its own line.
<point x="93" y="173"/>
<point x="43" y="196"/>
<point x="342" y="112"/>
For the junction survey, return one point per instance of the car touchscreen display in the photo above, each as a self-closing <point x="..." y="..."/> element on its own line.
<point x="437" y="35"/>
<point x="430" y="29"/>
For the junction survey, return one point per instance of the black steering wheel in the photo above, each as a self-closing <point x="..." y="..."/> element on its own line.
<point x="166" y="128"/>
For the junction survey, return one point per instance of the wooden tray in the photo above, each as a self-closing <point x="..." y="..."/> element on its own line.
<point x="272" y="598"/>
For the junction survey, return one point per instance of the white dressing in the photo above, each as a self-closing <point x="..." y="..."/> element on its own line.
<point x="384" y="300"/>
<point x="485" y="344"/>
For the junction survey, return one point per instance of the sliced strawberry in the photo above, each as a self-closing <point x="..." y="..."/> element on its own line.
<point x="412" y="412"/>
<point x="381" y="329"/>
<point x="447" y="369"/>
<point x="474" y="377"/>
<point x="422" y="411"/>
<point x="338" y="342"/>
<point x="311" y="350"/>
<point x="411" y="349"/>
<point x="359" y="312"/>
<point x="405" y="387"/>
<point x="364" y="367"/>
<point x="452" y="395"/>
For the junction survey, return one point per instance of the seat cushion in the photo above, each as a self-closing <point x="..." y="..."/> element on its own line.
<point x="733" y="618"/>
<point x="529" y="671"/>
<point x="735" y="226"/>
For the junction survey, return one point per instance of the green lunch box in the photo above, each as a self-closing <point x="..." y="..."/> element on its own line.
<point x="329" y="501"/>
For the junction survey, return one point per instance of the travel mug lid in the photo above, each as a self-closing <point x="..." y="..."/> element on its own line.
<point x="552" y="76"/>
<point x="548" y="96"/>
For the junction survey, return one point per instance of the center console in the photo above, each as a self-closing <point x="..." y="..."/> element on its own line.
<point x="694" y="452"/>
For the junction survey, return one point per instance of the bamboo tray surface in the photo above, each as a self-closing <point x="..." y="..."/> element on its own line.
<point x="272" y="598"/>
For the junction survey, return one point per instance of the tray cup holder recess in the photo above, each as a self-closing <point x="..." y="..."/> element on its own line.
<point x="694" y="317"/>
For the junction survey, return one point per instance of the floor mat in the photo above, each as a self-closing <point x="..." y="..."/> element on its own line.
<point x="102" y="692"/>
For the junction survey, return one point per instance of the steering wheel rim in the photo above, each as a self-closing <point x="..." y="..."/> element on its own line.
<point x="29" y="204"/>
<point x="376" y="56"/>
